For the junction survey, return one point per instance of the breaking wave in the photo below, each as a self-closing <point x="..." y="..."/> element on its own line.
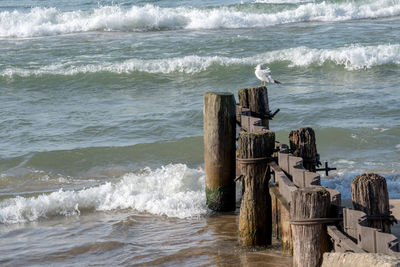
<point x="173" y="191"/>
<point x="51" y="21"/>
<point x="350" y="57"/>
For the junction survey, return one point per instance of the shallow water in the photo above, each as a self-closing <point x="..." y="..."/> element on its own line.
<point x="101" y="116"/>
<point x="121" y="238"/>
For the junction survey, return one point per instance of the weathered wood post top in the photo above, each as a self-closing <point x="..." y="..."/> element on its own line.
<point x="370" y="194"/>
<point x="256" y="99"/>
<point x="309" y="206"/>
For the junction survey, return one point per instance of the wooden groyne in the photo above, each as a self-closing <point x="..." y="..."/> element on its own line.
<point x="282" y="193"/>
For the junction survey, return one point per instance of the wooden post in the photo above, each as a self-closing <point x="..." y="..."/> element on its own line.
<point x="302" y="144"/>
<point x="308" y="203"/>
<point x="369" y="194"/>
<point x="219" y="150"/>
<point x="281" y="220"/>
<point x="256" y="99"/>
<point x="255" y="226"/>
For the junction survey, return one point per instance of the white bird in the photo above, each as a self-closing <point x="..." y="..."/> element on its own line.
<point x="264" y="74"/>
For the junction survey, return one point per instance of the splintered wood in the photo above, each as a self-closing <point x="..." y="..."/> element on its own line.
<point x="302" y="144"/>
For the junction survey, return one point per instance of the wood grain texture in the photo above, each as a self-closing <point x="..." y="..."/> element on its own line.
<point x="303" y="144"/>
<point x="307" y="203"/>
<point x="219" y="150"/>
<point x="256" y="99"/>
<point x="369" y="194"/>
<point x="255" y="211"/>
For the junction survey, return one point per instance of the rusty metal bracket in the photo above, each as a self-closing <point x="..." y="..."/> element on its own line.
<point x="268" y="116"/>
<point x="275" y="112"/>
<point x="382" y="217"/>
<point x="326" y="169"/>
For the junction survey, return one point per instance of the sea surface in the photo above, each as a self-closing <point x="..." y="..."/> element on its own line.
<point x="101" y="153"/>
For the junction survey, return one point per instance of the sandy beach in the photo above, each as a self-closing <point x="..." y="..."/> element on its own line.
<point x="395" y="209"/>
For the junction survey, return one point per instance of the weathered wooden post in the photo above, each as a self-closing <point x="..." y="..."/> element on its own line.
<point x="309" y="205"/>
<point x="302" y="144"/>
<point x="219" y="150"/>
<point x="255" y="226"/>
<point x="256" y="99"/>
<point x="369" y="194"/>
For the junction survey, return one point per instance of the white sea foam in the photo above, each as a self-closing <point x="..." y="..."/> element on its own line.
<point x="283" y="1"/>
<point x="173" y="190"/>
<point x="350" y="57"/>
<point x="344" y="161"/>
<point x="343" y="184"/>
<point x="50" y="21"/>
<point x="380" y="129"/>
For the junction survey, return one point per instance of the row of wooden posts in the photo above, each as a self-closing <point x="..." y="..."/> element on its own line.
<point x="292" y="206"/>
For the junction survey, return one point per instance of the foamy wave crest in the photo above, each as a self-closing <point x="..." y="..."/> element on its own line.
<point x="50" y="21"/>
<point x="173" y="190"/>
<point x="352" y="58"/>
<point x="283" y="1"/>
<point x="187" y="64"/>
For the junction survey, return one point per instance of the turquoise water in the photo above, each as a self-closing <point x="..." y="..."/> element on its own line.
<point x="101" y="103"/>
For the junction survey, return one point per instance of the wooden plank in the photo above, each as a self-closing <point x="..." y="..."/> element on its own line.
<point x="298" y="177"/>
<point x="251" y="124"/>
<point x="386" y="243"/>
<point x="283" y="160"/>
<point x="350" y="221"/>
<point x="284" y="184"/>
<point x="341" y="242"/>
<point x="366" y="238"/>
<point x="312" y="178"/>
<point x="294" y="163"/>
<point x="281" y="217"/>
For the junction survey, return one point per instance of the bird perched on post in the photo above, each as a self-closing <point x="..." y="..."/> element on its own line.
<point x="264" y="74"/>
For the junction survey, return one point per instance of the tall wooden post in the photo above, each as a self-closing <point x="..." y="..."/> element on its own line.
<point x="219" y="150"/>
<point x="302" y="144"/>
<point x="369" y="194"/>
<point x="256" y="99"/>
<point x="255" y="224"/>
<point x="308" y="203"/>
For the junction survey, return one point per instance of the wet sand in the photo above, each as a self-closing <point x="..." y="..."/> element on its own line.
<point x="395" y="209"/>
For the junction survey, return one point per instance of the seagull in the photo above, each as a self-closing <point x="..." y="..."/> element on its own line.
<point x="264" y="74"/>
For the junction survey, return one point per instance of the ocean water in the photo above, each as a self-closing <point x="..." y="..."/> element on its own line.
<point x="101" y="153"/>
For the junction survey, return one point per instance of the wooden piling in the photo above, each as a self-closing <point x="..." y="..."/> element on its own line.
<point x="256" y="99"/>
<point x="219" y="150"/>
<point x="255" y="227"/>
<point x="308" y="205"/>
<point x="281" y="228"/>
<point x="302" y="144"/>
<point x="369" y="194"/>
